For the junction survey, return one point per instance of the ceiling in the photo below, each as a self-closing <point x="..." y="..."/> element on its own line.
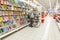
<point x="47" y="4"/>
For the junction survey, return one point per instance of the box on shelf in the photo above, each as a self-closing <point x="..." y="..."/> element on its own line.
<point x="5" y="29"/>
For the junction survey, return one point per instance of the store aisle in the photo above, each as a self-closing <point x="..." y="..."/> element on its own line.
<point x="51" y="29"/>
<point x="46" y="31"/>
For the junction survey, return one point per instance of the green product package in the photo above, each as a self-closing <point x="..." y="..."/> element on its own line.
<point x="5" y="23"/>
<point x="1" y="31"/>
<point x="12" y="1"/>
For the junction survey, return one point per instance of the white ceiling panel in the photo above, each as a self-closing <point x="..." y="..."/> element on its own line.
<point x="47" y="3"/>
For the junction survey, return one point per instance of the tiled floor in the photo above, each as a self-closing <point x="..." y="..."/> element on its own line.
<point x="46" y="31"/>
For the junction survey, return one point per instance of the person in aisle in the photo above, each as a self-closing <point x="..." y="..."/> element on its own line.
<point x="36" y="20"/>
<point x="28" y="17"/>
<point x="31" y="19"/>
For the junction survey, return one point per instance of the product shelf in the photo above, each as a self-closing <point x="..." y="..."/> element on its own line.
<point x="13" y="30"/>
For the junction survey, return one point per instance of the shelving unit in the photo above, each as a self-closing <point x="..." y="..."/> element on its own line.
<point x="12" y="17"/>
<point x="16" y="29"/>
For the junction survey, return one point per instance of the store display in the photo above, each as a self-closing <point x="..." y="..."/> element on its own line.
<point x="12" y="15"/>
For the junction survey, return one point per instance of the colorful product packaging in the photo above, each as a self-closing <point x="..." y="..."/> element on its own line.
<point x="5" y="29"/>
<point x="1" y="32"/>
<point x="1" y="19"/>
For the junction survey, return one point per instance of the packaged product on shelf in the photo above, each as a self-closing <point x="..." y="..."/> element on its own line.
<point x="5" y="7"/>
<point x="21" y="21"/>
<point x="15" y="8"/>
<point x="1" y="25"/>
<point x="1" y="7"/>
<point x="16" y="18"/>
<point x="5" y="29"/>
<point x="13" y="17"/>
<point x="1" y="1"/>
<point x="5" y="20"/>
<point x="18" y="21"/>
<point x="5" y="23"/>
<point x="16" y="2"/>
<point x="20" y="3"/>
<point x="5" y="14"/>
<point x="0" y="32"/>
<point x="8" y="13"/>
<point x="10" y="22"/>
<point x="14" y="23"/>
<point x="5" y="1"/>
<point x="1" y="19"/>
<point x="12" y="1"/>
<point x="9" y="8"/>
<point x="9" y="2"/>
<point x="21" y="13"/>
<point x="1" y="12"/>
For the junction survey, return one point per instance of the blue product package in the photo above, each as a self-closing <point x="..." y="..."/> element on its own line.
<point x="5" y="29"/>
<point x="21" y="3"/>
<point x="10" y="22"/>
<point x="18" y="0"/>
<point x="9" y="2"/>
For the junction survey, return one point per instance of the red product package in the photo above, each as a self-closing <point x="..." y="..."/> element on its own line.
<point x="42" y="21"/>
<point x="54" y="16"/>
<point x="0" y="1"/>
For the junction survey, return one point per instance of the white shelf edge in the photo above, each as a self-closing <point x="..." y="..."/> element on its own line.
<point x="12" y="31"/>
